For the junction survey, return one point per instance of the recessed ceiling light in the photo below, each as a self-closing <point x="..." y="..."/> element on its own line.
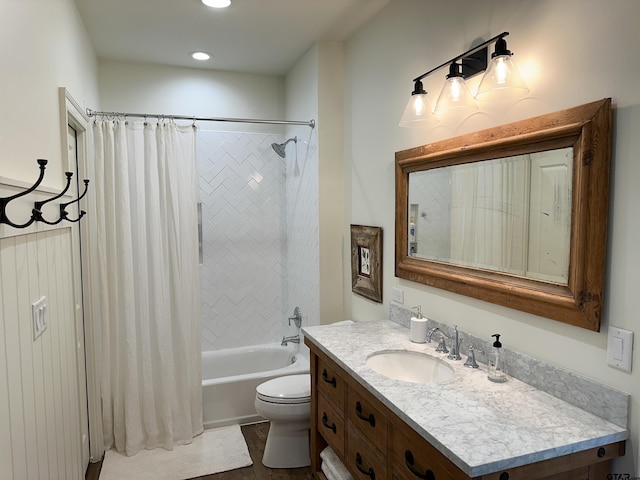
<point x="217" y="3"/>
<point x="202" y="56"/>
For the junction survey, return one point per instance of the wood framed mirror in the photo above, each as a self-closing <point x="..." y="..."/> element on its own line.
<point x="514" y="215"/>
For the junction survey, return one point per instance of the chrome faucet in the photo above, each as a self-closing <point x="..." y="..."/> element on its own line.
<point x="442" y="345"/>
<point x="291" y="339"/>
<point x="431" y="332"/>
<point x="297" y="317"/>
<point x="455" y="349"/>
<point x="471" y="359"/>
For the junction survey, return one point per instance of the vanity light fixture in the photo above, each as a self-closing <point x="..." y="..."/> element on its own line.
<point x="499" y="80"/>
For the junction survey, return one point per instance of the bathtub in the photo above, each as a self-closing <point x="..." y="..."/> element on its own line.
<point x="230" y="378"/>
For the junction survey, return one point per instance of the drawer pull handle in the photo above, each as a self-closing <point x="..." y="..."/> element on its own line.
<point x="325" y="422"/>
<point x="371" y="419"/>
<point x="408" y="460"/>
<point x="325" y="377"/>
<point x="370" y="472"/>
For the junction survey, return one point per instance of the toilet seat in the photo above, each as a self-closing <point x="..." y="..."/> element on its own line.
<point x="290" y="389"/>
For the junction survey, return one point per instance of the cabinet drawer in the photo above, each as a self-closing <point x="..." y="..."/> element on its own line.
<point x="368" y="418"/>
<point x="331" y="425"/>
<point x="331" y="384"/>
<point x="414" y="458"/>
<point x="364" y="461"/>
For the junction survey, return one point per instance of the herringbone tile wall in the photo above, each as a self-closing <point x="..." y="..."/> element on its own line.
<point x="244" y="226"/>
<point x="303" y="264"/>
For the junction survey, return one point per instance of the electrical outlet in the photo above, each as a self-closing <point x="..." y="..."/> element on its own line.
<point x="397" y="294"/>
<point x="39" y="317"/>
<point x="619" y="348"/>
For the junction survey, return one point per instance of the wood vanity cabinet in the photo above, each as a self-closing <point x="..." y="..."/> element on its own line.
<point x="375" y="444"/>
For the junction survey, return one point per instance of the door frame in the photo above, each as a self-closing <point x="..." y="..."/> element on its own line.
<point x="87" y="332"/>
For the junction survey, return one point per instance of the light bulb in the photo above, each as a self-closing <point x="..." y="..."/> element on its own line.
<point x="502" y="70"/>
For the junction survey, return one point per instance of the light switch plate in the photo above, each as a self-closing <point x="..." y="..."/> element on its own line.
<point x="397" y="294"/>
<point x="620" y="348"/>
<point x="39" y="317"/>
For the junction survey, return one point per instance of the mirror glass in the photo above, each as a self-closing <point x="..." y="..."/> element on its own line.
<point x="510" y="214"/>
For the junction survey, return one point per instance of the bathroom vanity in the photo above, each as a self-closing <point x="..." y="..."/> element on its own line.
<point x="464" y="427"/>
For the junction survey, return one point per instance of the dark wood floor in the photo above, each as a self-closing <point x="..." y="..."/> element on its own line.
<point x="256" y="436"/>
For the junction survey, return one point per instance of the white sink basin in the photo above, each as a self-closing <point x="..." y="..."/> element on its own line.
<point x="409" y="366"/>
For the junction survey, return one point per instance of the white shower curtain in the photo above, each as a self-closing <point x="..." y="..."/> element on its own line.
<point x="488" y="214"/>
<point x="146" y="283"/>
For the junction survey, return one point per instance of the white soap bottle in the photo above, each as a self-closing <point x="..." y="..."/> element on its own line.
<point x="418" y="327"/>
<point x="495" y="371"/>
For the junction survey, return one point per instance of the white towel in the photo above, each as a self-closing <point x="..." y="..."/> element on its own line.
<point x="332" y="467"/>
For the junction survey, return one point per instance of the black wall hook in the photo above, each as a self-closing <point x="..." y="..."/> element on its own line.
<point x="4" y="201"/>
<point x="63" y="206"/>
<point x="36" y="212"/>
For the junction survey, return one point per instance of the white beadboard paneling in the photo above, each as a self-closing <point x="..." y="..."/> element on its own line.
<point x="40" y="402"/>
<point x="51" y="385"/>
<point x="17" y="431"/>
<point x="33" y="293"/>
<point x="6" y="460"/>
<point x="26" y="357"/>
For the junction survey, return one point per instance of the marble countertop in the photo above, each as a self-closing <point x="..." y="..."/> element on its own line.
<point x="481" y="426"/>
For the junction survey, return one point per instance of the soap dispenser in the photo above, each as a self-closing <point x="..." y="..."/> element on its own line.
<point x="495" y="371"/>
<point x="418" y="327"/>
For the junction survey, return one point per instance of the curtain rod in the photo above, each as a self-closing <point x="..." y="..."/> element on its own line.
<point x="311" y="123"/>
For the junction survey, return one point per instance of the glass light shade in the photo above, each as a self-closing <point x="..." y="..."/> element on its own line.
<point x="455" y="97"/>
<point x="417" y="112"/>
<point x="501" y="81"/>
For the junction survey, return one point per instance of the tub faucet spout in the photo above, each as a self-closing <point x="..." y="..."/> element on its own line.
<point x="291" y="339"/>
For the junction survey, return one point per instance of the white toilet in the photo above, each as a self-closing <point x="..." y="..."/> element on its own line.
<point x="286" y="403"/>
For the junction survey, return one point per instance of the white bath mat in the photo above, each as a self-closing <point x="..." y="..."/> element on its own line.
<point x="216" y="450"/>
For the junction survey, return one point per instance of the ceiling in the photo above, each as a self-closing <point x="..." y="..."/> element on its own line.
<point x="253" y="36"/>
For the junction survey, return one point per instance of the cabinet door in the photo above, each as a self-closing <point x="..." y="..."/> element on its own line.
<point x="413" y="458"/>
<point x="331" y="383"/>
<point x="366" y="415"/>
<point x="331" y="425"/>
<point x="364" y="461"/>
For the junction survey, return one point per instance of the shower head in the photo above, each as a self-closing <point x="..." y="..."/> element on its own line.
<point x="279" y="147"/>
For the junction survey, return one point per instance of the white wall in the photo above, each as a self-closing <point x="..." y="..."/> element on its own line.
<point x="303" y="237"/>
<point x="571" y="52"/>
<point x="148" y="88"/>
<point x="43" y="46"/>
<point x="314" y="89"/>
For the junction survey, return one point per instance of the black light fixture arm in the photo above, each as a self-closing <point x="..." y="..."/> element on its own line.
<point x="468" y="59"/>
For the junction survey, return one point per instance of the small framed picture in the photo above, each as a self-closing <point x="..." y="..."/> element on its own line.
<point x="366" y="262"/>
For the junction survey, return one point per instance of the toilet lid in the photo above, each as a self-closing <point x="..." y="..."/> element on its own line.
<point x="287" y="389"/>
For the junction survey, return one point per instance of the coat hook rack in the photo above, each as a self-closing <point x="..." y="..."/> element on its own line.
<point x="63" y="206"/>
<point x="36" y="212"/>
